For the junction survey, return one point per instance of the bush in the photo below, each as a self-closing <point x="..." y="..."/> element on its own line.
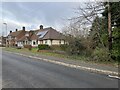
<point x="55" y="47"/>
<point x="2" y="46"/>
<point x="28" y="46"/>
<point x="18" y="47"/>
<point x="43" y="47"/>
<point x="75" y="47"/>
<point x="63" y="47"/>
<point x="101" y="54"/>
<point x="116" y="44"/>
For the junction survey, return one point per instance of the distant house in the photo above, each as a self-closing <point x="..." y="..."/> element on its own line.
<point x="2" y="41"/>
<point x="12" y="38"/>
<point x="42" y="35"/>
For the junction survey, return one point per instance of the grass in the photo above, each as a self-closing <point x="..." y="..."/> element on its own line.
<point x="34" y="51"/>
<point x="47" y="53"/>
<point x="64" y="56"/>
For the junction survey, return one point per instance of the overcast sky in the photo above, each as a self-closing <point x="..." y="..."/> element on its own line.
<point x="33" y="14"/>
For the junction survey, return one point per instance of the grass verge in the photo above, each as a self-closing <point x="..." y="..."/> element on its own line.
<point x="63" y="56"/>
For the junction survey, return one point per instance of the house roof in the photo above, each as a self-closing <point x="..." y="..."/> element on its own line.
<point x="16" y="33"/>
<point x="31" y="36"/>
<point x="24" y="38"/>
<point x="34" y="37"/>
<point x="42" y="34"/>
<point x="49" y="33"/>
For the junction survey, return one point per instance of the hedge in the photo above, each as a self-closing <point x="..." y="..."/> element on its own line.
<point x="28" y="46"/>
<point x="43" y="47"/>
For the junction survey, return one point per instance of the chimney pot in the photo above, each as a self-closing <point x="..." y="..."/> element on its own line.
<point x="24" y="28"/>
<point x="16" y="30"/>
<point x="41" y="26"/>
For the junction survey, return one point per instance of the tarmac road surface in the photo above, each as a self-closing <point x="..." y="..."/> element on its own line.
<point x="23" y="72"/>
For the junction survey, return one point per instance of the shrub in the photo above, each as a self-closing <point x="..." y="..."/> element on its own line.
<point x="43" y="47"/>
<point x="75" y="47"/>
<point x="55" y="47"/>
<point x="28" y="46"/>
<point x="18" y="47"/>
<point x="101" y="54"/>
<point x="116" y="44"/>
<point x="63" y="47"/>
<point x="1" y="45"/>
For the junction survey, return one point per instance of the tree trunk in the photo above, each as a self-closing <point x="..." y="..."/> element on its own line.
<point x="109" y="28"/>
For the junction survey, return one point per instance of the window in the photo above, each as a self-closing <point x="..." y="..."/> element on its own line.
<point x="45" y="41"/>
<point x="27" y="34"/>
<point x="34" y="43"/>
<point x="60" y="42"/>
<point x="9" y="37"/>
<point x="23" y="42"/>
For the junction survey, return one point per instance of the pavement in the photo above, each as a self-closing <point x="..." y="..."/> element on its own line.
<point x="25" y="72"/>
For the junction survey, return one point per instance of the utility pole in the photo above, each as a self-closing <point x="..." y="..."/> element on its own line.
<point x="109" y="27"/>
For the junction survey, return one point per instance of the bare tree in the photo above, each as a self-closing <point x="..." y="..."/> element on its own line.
<point x="75" y="30"/>
<point x="87" y="12"/>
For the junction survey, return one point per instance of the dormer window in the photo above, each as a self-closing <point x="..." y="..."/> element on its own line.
<point x="9" y="37"/>
<point x="26" y="34"/>
<point x="39" y="35"/>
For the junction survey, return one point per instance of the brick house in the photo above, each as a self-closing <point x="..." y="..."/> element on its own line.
<point x="12" y="38"/>
<point x="28" y="39"/>
<point x="2" y="41"/>
<point x="42" y="35"/>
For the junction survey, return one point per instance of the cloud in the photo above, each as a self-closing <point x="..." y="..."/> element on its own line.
<point x="33" y="14"/>
<point x="51" y="0"/>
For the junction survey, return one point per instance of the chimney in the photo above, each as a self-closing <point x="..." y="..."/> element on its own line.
<point x="24" y="28"/>
<point x="16" y="30"/>
<point x="10" y="31"/>
<point x="41" y="26"/>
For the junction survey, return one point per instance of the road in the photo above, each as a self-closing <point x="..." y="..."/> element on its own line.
<point x="23" y="72"/>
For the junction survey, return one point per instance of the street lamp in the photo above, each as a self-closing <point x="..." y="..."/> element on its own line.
<point x="6" y="32"/>
<point x="6" y="27"/>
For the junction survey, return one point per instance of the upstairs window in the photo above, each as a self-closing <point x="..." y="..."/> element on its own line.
<point x="26" y="34"/>
<point x="9" y="37"/>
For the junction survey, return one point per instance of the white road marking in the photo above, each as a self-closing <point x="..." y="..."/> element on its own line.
<point x="117" y="77"/>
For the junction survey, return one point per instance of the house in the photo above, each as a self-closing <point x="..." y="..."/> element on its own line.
<point x="28" y="39"/>
<point x="2" y="41"/>
<point x="12" y="38"/>
<point x="42" y="35"/>
<point x="50" y="36"/>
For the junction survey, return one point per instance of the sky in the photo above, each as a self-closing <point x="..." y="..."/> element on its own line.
<point x="33" y="14"/>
